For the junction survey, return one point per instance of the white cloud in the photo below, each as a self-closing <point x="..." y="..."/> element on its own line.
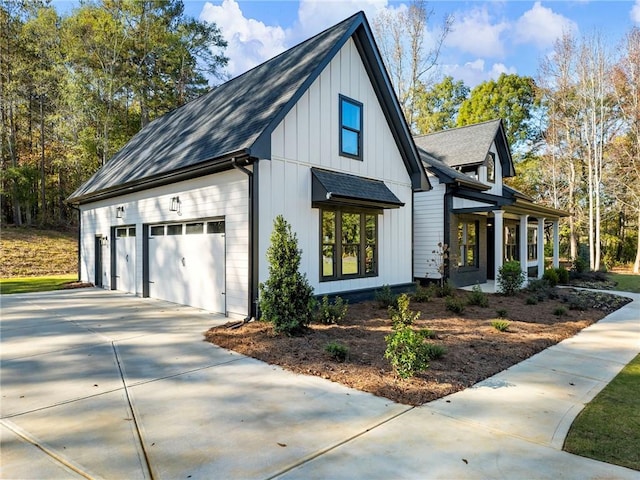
<point x="474" y="72"/>
<point x="475" y="33"/>
<point x="250" y="41"/>
<point x="635" y="12"/>
<point x="541" y="26"/>
<point x="317" y="15"/>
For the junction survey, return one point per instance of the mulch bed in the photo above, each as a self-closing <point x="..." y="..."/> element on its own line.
<point x="475" y="349"/>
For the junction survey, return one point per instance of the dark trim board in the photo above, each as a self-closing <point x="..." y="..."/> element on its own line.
<point x="112" y="249"/>
<point x="145" y="260"/>
<point x="362" y="295"/>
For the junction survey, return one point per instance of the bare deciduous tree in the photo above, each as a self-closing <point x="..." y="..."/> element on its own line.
<point x="409" y="56"/>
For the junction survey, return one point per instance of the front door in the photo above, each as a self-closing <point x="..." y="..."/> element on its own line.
<point x="126" y="259"/>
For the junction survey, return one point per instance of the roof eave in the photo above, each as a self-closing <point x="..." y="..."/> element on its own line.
<point x="216" y="165"/>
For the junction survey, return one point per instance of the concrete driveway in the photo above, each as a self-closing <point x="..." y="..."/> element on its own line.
<point x="99" y="384"/>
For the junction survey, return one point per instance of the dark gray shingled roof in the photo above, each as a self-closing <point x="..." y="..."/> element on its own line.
<point x="441" y="170"/>
<point x="343" y="188"/>
<point x="238" y="117"/>
<point x="468" y="145"/>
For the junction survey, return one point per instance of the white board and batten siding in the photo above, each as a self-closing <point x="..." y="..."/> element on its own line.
<point x="223" y="195"/>
<point x="428" y="228"/>
<point x="308" y="137"/>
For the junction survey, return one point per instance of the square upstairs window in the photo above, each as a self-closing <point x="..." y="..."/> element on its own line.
<point x="350" y="128"/>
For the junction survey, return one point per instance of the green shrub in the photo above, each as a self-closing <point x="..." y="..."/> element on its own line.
<point x="578" y="302"/>
<point x="510" y="278"/>
<point x="385" y="297"/>
<point x="560" y="311"/>
<point x="286" y="298"/>
<point x="539" y="286"/>
<point x="329" y="313"/>
<point x="551" y="276"/>
<point x="428" y="333"/>
<point x="434" y="351"/>
<point x="337" y="351"/>
<point x="532" y="300"/>
<point x="454" y="304"/>
<point x="563" y="275"/>
<point x="406" y="351"/>
<point x="500" y="325"/>
<point x="424" y="294"/>
<point x="446" y="289"/>
<point x="478" y="297"/>
<point x="501" y="313"/>
<point x="402" y="316"/>
<point x="580" y="265"/>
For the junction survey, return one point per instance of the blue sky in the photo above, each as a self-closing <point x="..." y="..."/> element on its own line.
<point x="488" y="37"/>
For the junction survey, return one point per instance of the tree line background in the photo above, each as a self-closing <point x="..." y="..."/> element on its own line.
<point x="75" y="88"/>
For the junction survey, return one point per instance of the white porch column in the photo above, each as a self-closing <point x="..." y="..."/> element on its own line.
<point x="556" y="244"/>
<point x="498" y="229"/>
<point x="540" y="246"/>
<point x="524" y="219"/>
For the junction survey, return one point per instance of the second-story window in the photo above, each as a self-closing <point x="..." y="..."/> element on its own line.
<point x="491" y="169"/>
<point x="350" y="128"/>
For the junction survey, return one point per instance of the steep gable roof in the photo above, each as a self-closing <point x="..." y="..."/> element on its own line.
<point x="238" y="117"/>
<point x="469" y="145"/>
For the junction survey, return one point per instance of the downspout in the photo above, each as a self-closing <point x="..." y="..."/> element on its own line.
<point x="77" y="209"/>
<point x="448" y="206"/>
<point x="253" y="232"/>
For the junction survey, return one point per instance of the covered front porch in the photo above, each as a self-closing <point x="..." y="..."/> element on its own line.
<point x="513" y="236"/>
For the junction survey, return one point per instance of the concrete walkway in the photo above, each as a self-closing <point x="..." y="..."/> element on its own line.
<point x="98" y="384"/>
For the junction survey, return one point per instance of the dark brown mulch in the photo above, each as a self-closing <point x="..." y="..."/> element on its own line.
<point x="475" y="349"/>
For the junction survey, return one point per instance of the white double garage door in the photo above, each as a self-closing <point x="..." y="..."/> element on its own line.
<point x="186" y="262"/>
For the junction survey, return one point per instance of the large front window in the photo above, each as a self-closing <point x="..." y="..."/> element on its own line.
<point x="468" y="244"/>
<point x="349" y="244"/>
<point x="350" y="128"/>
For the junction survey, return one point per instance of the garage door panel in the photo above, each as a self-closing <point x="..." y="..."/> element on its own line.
<point x="188" y="268"/>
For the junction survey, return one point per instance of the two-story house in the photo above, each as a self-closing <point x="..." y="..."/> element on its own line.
<point x="184" y="211"/>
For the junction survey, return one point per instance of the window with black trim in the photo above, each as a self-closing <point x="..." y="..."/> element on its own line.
<point x="468" y="244"/>
<point x="532" y="243"/>
<point x="349" y="244"/>
<point x="350" y="128"/>
<point x="491" y="169"/>
<point x="511" y="243"/>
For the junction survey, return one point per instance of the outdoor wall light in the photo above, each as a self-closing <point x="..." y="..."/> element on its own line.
<point x="104" y="241"/>
<point x="175" y="204"/>
<point x="119" y="211"/>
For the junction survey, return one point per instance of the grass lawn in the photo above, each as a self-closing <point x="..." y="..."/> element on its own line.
<point x="35" y="284"/>
<point x="626" y="282"/>
<point x="608" y="429"/>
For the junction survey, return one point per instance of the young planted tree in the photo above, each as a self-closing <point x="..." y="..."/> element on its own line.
<point x="286" y="298"/>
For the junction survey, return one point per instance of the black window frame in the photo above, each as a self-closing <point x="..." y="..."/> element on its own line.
<point x="463" y="257"/>
<point x="343" y="127"/>
<point x="532" y="247"/>
<point x="338" y="245"/>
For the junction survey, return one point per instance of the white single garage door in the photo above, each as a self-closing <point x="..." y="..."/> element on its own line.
<point x="125" y="273"/>
<point x="187" y="264"/>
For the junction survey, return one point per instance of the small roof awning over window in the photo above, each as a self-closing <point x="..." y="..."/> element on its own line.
<point x="342" y="189"/>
